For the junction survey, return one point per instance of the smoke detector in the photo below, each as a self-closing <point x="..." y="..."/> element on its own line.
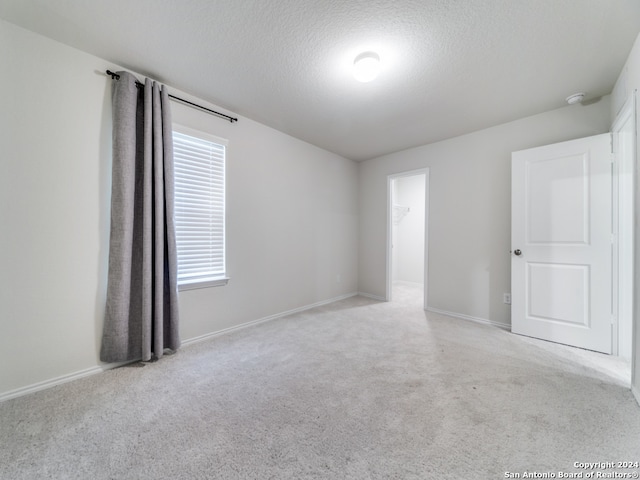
<point x="575" y="98"/>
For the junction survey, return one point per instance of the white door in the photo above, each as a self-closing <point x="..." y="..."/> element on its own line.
<point x="561" y="242"/>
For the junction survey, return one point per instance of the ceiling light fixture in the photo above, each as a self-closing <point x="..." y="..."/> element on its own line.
<point x="575" y="98"/>
<point x="366" y="66"/>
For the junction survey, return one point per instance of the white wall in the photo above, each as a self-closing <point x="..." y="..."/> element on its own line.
<point x="292" y="216"/>
<point x="470" y="208"/>
<point x="628" y="82"/>
<point x="408" y="245"/>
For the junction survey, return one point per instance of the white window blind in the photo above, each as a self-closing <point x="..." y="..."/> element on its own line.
<point x="199" y="208"/>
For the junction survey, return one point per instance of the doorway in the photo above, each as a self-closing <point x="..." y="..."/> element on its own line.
<point x="407" y="234"/>
<point x="619" y="338"/>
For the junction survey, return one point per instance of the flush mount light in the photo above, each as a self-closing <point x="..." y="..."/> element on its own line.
<point x="366" y="66"/>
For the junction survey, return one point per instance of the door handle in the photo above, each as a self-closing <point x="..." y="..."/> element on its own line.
<point x="517" y="252"/>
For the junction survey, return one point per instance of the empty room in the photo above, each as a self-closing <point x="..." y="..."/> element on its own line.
<point x="294" y="239"/>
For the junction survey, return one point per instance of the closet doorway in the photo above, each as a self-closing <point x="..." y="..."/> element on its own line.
<point x="407" y="233"/>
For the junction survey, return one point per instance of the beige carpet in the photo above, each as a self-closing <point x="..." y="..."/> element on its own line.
<point x="357" y="389"/>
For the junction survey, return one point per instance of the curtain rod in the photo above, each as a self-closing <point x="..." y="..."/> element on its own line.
<point x="115" y="76"/>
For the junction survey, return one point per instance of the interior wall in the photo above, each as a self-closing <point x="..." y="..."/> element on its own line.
<point x="628" y="82"/>
<point x="292" y="212"/>
<point x="408" y="246"/>
<point x="470" y="208"/>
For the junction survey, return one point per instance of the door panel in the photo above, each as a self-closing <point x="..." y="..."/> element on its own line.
<point x="561" y="229"/>
<point x="557" y="200"/>
<point x="552" y="289"/>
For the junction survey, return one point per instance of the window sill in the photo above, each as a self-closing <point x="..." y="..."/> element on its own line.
<point x="219" y="282"/>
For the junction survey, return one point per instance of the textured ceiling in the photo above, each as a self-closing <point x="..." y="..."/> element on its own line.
<point x="449" y="66"/>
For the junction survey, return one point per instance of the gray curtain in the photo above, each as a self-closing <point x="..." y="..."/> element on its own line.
<point x="141" y="318"/>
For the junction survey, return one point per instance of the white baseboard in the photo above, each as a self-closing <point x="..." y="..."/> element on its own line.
<point x="36" y="387"/>
<point x="374" y="297"/>
<point x="102" y="368"/>
<point x="224" y="331"/>
<point x="462" y="316"/>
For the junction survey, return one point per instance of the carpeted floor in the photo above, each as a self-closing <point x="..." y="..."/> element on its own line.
<point x="357" y="389"/>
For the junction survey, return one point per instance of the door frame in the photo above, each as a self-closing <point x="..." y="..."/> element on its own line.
<point x="623" y="199"/>
<point x="389" y="263"/>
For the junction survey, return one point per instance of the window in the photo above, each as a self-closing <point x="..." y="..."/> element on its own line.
<point x="199" y="161"/>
